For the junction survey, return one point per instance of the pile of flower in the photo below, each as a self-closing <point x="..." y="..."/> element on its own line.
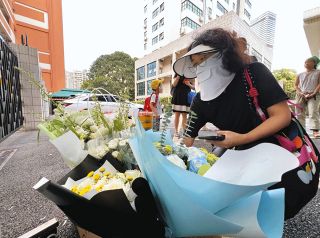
<point x="97" y="133"/>
<point x="103" y="180"/>
<point x="193" y="159"/>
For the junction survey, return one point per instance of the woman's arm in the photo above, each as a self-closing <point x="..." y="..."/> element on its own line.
<point x="279" y="118"/>
<point x="188" y="83"/>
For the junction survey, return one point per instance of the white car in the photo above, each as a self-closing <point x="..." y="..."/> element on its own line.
<point x="109" y="103"/>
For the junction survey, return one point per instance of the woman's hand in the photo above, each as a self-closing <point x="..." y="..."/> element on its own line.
<point x="232" y="139"/>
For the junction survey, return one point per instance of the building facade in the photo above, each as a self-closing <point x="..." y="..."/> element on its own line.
<point x="264" y="26"/>
<point x="167" y="20"/>
<point x="74" y="79"/>
<point x="158" y="64"/>
<point x="311" y="20"/>
<point x="37" y="24"/>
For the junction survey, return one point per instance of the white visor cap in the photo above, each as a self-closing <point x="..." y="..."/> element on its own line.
<point x="185" y="67"/>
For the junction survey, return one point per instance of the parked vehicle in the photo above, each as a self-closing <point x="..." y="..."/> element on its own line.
<point x="109" y="103"/>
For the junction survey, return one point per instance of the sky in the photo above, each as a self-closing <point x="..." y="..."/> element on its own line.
<point x="96" y="27"/>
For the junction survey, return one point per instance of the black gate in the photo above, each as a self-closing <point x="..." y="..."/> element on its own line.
<point x="10" y="92"/>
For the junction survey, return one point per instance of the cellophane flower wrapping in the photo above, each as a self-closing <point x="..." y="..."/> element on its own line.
<point x="230" y="199"/>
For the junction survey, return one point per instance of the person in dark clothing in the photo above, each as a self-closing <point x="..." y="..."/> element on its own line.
<point x="182" y="86"/>
<point x="226" y="100"/>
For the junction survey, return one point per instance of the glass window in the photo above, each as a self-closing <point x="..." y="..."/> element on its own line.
<point x="155" y="40"/>
<point x="141" y="88"/>
<point x="155" y="27"/>
<point x="151" y="69"/>
<point x="162" y="7"/>
<point x="161" y="36"/>
<point x="249" y="3"/>
<point x="149" y="89"/>
<point x="247" y="13"/>
<point x="145" y="8"/>
<point x="140" y="73"/>
<point x="188" y="22"/>
<point x="145" y="34"/>
<point x="189" y="5"/>
<point x="233" y="6"/>
<point x="227" y="1"/>
<point x="221" y="8"/>
<point x="154" y="1"/>
<point x="209" y="11"/>
<point x="161" y="22"/>
<point x="145" y="21"/>
<point x="145" y="46"/>
<point x="155" y="13"/>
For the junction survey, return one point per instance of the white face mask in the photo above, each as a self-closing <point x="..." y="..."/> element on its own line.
<point x="213" y="79"/>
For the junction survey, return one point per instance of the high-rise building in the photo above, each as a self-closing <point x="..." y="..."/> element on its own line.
<point x="75" y="79"/>
<point x="264" y="26"/>
<point x="167" y="20"/>
<point x="158" y="64"/>
<point x="37" y="24"/>
<point x="311" y="25"/>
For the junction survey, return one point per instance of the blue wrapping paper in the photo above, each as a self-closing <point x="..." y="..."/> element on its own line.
<point x="192" y="205"/>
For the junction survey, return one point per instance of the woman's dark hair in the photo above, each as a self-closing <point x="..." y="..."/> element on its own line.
<point x="225" y="44"/>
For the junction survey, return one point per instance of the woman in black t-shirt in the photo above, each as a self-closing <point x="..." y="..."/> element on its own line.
<point x="216" y="61"/>
<point x="224" y="100"/>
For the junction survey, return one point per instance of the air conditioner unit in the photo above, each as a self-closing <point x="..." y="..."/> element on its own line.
<point x="200" y="19"/>
<point x="182" y="31"/>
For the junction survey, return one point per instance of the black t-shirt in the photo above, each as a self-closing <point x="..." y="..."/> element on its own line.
<point x="233" y="109"/>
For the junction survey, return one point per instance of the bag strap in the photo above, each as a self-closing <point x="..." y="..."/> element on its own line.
<point x="253" y="93"/>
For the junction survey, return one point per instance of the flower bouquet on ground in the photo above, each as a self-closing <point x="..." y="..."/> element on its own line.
<point x="231" y="198"/>
<point x="77" y="134"/>
<point x="98" y="198"/>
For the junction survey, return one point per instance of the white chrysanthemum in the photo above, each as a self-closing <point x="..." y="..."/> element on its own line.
<point x="113" y="144"/>
<point x="94" y="128"/>
<point x="176" y="160"/>
<point x="123" y="143"/>
<point x="115" y="154"/>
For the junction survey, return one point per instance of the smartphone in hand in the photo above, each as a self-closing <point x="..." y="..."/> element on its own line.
<point x="210" y="135"/>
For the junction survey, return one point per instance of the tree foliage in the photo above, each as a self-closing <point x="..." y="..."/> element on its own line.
<point x="113" y="72"/>
<point x="288" y="77"/>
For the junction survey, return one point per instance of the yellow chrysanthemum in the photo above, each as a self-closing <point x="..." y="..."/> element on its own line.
<point x="99" y="188"/>
<point x="96" y="177"/>
<point x="204" y="150"/>
<point x="129" y="178"/>
<point x="74" y="189"/>
<point x="102" y="169"/>
<point x="85" y="190"/>
<point x="90" y="174"/>
<point x="106" y="174"/>
<point x="168" y="149"/>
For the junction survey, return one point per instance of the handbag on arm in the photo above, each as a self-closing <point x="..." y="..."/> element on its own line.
<point x="301" y="183"/>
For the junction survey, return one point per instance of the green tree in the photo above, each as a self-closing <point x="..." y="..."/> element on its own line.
<point x="288" y="77"/>
<point x="113" y="72"/>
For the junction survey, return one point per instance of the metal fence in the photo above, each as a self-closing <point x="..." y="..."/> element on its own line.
<point x="10" y="92"/>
